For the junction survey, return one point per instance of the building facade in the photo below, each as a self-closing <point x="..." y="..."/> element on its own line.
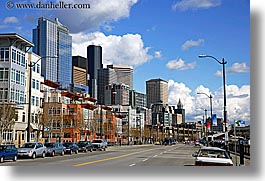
<point x="124" y="74"/>
<point x="52" y="39"/>
<point x="106" y="76"/>
<point x="156" y="91"/>
<point x="117" y="94"/>
<point x="94" y="59"/>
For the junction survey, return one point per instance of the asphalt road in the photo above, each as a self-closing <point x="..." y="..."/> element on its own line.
<point x="119" y="157"/>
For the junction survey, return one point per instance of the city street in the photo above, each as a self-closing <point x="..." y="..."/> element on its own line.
<point x="119" y="157"/>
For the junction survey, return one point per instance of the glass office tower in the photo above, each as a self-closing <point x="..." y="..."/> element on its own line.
<point x="51" y="38"/>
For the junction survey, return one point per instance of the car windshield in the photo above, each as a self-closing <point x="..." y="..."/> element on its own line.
<point x="213" y="154"/>
<point x="28" y="145"/>
<point x="97" y="141"/>
<point x="67" y="144"/>
<point x="49" y="144"/>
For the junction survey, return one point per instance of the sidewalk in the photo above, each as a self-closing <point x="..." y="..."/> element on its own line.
<point x="237" y="161"/>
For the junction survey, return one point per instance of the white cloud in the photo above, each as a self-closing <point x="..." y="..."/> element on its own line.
<point x="238" y="68"/>
<point x="125" y="50"/>
<point x="238" y="101"/>
<point x="235" y="68"/>
<point x="11" y="19"/>
<point x="192" y="43"/>
<point x="100" y="14"/>
<point x="195" y="4"/>
<point x="158" y="54"/>
<point x="180" y="65"/>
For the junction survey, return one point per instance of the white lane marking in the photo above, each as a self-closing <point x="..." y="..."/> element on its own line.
<point x="144" y="160"/>
<point x="132" y="165"/>
<point x="155" y="155"/>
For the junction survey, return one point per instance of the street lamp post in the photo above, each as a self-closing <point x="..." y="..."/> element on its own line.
<point x="32" y="64"/>
<point x="223" y="62"/>
<point x="211" y="107"/>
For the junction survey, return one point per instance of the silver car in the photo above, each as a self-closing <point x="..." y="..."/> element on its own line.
<point x="32" y="150"/>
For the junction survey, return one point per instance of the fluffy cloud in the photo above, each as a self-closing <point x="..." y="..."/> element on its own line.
<point x="238" y="67"/>
<point x="180" y="65"/>
<point x="235" y="68"/>
<point x="125" y="50"/>
<point x="238" y="101"/>
<point x="11" y="19"/>
<point x="100" y="14"/>
<point x="195" y="4"/>
<point x="192" y="43"/>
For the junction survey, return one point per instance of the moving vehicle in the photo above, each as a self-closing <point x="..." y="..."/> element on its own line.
<point x="71" y="147"/>
<point x="32" y="150"/>
<point x="8" y="152"/>
<point x="85" y="146"/>
<point x="212" y="156"/>
<point x="55" y="148"/>
<point x="99" y="144"/>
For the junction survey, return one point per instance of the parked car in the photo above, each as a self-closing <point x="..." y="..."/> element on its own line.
<point x="32" y="150"/>
<point x="99" y="144"/>
<point x="71" y="147"/>
<point x="85" y="146"/>
<point x="197" y="143"/>
<point x="55" y="148"/>
<point x="8" y="152"/>
<point x="212" y="156"/>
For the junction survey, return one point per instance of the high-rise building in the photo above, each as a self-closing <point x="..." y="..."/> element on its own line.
<point x="156" y="91"/>
<point x="94" y="60"/>
<point x="124" y="74"/>
<point x="106" y="76"/>
<point x="52" y="39"/>
<point x="117" y="94"/>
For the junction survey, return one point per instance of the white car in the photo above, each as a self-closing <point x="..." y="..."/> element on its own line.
<point x="32" y="150"/>
<point x="212" y="156"/>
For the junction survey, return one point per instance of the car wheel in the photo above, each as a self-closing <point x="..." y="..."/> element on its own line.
<point x="33" y="155"/>
<point x="62" y="154"/>
<point x="76" y="151"/>
<point x="91" y="150"/>
<point x="71" y="152"/>
<point x="85" y="150"/>
<point x="2" y="159"/>
<point x="15" y="158"/>
<point x="53" y="154"/>
<point x="43" y="155"/>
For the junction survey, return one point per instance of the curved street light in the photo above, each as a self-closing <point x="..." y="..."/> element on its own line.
<point x="223" y="62"/>
<point x="211" y="107"/>
<point x="32" y="64"/>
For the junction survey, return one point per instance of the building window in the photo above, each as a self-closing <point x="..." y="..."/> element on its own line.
<point x="23" y="117"/>
<point x="14" y="56"/>
<point x="4" y="74"/>
<point x="33" y="100"/>
<point x="4" y="54"/>
<point x="38" y="68"/>
<point x="7" y="136"/>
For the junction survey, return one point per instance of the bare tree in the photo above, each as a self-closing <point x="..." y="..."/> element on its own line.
<point x="7" y="118"/>
<point x="43" y="121"/>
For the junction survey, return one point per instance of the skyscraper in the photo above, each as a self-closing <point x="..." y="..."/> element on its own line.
<point x="106" y="77"/>
<point x="124" y="74"/>
<point x="51" y="38"/>
<point x="94" y="59"/>
<point x="156" y="91"/>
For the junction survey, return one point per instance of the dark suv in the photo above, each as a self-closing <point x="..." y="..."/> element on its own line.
<point x="8" y="152"/>
<point x="84" y="146"/>
<point x="71" y="147"/>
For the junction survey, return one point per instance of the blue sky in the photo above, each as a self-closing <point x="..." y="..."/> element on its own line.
<point x="162" y="39"/>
